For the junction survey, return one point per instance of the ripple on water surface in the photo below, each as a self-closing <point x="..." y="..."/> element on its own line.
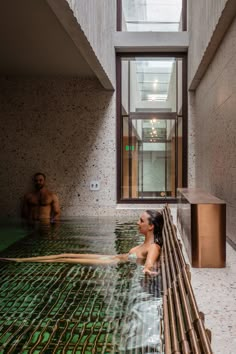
<point x="65" y="308"/>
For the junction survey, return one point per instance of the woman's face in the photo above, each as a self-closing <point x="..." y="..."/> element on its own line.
<point x="143" y="223"/>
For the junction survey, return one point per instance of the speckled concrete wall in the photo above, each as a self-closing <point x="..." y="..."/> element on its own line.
<point x="215" y="124"/>
<point x="64" y="128"/>
<point x="191" y="140"/>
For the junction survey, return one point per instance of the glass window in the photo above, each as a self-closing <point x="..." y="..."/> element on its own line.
<point x="151" y="123"/>
<point x="150" y="84"/>
<point x="148" y="157"/>
<point x="152" y="15"/>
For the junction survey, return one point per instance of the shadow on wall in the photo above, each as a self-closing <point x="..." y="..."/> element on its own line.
<point x="64" y="128"/>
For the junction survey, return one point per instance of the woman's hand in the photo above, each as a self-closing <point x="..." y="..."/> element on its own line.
<point x="150" y="271"/>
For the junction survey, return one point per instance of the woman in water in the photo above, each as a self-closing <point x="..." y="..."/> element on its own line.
<point x="150" y="224"/>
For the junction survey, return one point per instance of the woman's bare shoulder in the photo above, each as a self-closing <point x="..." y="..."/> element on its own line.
<point x="155" y="245"/>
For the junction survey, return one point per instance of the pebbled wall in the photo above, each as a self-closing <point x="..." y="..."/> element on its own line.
<point x="64" y="128"/>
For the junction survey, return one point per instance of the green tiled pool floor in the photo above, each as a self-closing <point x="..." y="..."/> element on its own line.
<point x="64" y="308"/>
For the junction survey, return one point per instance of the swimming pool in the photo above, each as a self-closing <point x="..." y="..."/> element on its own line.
<point x="67" y="308"/>
<point x="11" y="231"/>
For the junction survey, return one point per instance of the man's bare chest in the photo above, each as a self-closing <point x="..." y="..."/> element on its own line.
<point x="40" y="200"/>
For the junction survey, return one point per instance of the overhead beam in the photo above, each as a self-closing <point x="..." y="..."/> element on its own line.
<point x="66" y="17"/>
<point x="225" y="20"/>
<point x="151" y="41"/>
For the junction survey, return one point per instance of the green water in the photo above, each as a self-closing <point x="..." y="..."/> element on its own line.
<point x="65" y="308"/>
<point x="10" y="232"/>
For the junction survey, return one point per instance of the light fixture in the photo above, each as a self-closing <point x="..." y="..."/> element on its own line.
<point x="155" y="84"/>
<point x="157" y="97"/>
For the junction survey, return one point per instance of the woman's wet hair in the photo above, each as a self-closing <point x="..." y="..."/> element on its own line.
<point x="156" y="219"/>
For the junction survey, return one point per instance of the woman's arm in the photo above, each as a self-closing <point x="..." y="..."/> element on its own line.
<point x="74" y="258"/>
<point x="152" y="256"/>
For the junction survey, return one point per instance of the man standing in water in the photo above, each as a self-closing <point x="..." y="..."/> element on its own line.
<point x="41" y="204"/>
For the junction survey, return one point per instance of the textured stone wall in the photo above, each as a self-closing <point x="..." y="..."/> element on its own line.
<point x="215" y="124"/>
<point x="64" y="128"/>
<point x="191" y="140"/>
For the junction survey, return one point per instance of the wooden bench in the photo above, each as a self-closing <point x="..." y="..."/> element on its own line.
<point x="184" y="330"/>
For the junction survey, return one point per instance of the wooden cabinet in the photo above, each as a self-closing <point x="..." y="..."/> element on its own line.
<point x="201" y="220"/>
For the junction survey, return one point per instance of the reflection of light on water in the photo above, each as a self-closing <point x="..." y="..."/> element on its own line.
<point x="85" y="306"/>
<point x="141" y="327"/>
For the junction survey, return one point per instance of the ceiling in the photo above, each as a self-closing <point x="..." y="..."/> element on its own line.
<point x="33" y="42"/>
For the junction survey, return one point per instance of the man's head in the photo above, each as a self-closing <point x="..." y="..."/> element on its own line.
<point x="39" y="180"/>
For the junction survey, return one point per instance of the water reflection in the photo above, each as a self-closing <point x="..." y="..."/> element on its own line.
<point x="114" y="308"/>
<point x="141" y="327"/>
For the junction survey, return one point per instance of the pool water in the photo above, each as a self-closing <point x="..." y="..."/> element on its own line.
<point x="11" y="231"/>
<point x="73" y="308"/>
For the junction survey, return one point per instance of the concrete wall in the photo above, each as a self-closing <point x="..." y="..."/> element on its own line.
<point x="64" y="128"/>
<point x="212" y="113"/>
<point x="203" y="16"/>
<point x="102" y="15"/>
